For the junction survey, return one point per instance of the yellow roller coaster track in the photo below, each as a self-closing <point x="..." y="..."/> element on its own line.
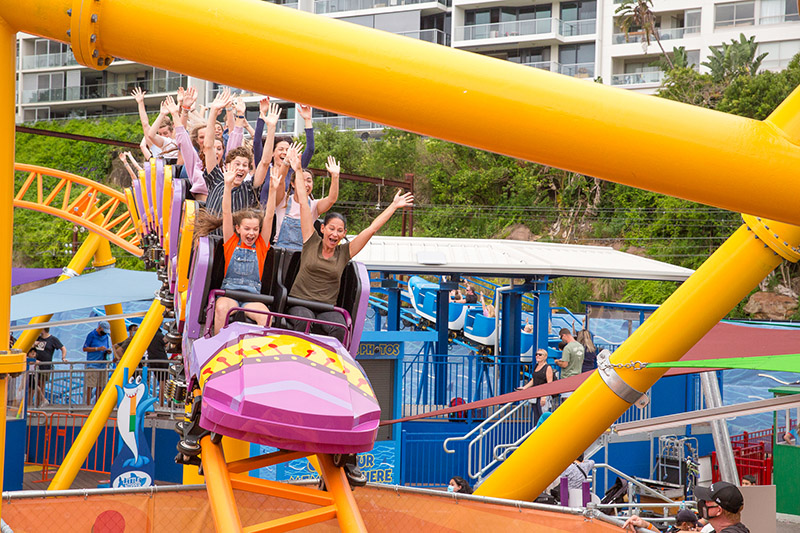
<point x="78" y="200"/>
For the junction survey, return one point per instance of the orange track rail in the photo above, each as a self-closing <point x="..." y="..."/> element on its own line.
<point x="78" y="200"/>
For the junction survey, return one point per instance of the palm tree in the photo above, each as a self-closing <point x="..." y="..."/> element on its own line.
<point x="637" y="14"/>
<point x="734" y="59"/>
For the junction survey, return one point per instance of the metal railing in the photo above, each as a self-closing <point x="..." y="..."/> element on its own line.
<point x="63" y="59"/>
<point x="779" y="19"/>
<point x="335" y="6"/>
<point x="512" y="423"/>
<point x="544" y="65"/>
<point x="348" y="123"/>
<point x="499" y="30"/>
<point x="577" y="70"/>
<point x="637" y="78"/>
<point x="431" y="36"/>
<point x="665" y="34"/>
<point x="103" y="90"/>
<point x="635" y="487"/>
<point x="63" y="387"/>
<point x="573" y="28"/>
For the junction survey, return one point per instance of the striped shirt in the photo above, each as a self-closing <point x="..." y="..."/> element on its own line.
<point x="242" y="197"/>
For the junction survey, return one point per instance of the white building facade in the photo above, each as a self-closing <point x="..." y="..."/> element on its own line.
<point x="579" y="38"/>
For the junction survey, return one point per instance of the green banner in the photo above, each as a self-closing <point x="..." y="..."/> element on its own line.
<point x="776" y="363"/>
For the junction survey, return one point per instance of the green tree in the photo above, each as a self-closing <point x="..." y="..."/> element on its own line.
<point x="635" y="14"/>
<point x="758" y="96"/>
<point x="734" y="59"/>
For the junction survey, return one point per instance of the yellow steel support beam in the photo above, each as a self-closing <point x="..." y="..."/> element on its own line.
<point x="7" y="100"/>
<point x="347" y="512"/>
<point x="104" y="258"/>
<point x="692" y="310"/>
<point x="108" y="399"/>
<point x="218" y="485"/>
<point x="463" y="97"/>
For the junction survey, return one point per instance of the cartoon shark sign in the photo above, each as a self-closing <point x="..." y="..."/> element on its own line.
<point x="133" y="465"/>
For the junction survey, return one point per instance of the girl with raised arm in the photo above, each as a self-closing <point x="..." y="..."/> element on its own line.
<point x="245" y="236"/>
<point x="325" y="257"/>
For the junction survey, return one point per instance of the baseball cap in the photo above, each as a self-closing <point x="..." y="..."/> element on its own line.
<point x="104" y="326"/>
<point x="685" y="515"/>
<point x="726" y="495"/>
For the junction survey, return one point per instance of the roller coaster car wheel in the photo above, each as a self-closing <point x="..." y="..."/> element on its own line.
<point x="180" y="427"/>
<point x="339" y="460"/>
<point x="216" y="438"/>
<point x="189" y="448"/>
<point x="355" y="476"/>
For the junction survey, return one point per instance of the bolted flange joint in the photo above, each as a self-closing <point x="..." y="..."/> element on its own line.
<point x="773" y="234"/>
<point x="84" y="34"/>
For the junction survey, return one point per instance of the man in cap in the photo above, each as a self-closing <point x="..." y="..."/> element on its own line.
<point x="721" y="505"/>
<point x="97" y="348"/>
<point x="685" y="520"/>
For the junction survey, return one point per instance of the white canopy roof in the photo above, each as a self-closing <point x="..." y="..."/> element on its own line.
<point x="420" y="255"/>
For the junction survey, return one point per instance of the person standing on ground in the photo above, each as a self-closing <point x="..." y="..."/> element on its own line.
<point x="97" y="347"/>
<point x="45" y="346"/>
<point x="721" y="505"/>
<point x="571" y="360"/>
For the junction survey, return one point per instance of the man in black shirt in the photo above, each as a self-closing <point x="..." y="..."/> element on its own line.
<point x="44" y="347"/>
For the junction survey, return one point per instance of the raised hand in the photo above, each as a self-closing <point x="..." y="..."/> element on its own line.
<point x="275" y="181"/>
<point x="304" y="111"/>
<point x="172" y="106"/>
<point x="189" y="98"/>
<point x="229" y="175"/>
<point x="293" y="155"/>
<point x="239" y="106"/>
<point x="332" y="166"/>
<point x="179" y="97"/>
<point x="138" y="95"/>
<point x="263" y="107"/>
<point x="273" y="113"/>
<point x="164" y="108"/>
<point x="122" y="157"/>
<point x="222" y="100"/>
<point x="403" y="200"/>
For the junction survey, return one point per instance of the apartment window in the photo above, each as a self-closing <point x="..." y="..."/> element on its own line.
<point x="736" y="14"/>
<point x="579" y="10"/>
<point x="778" y="11"/>
<point x="692" y="21"/>
<point x="574" y="54"/>
<point x="526" y="56"/>
<point x="506" y="14"/>
<point x="46" y="46"/>
<point x="778" y="54"/>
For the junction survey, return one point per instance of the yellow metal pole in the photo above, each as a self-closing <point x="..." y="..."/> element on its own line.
<point x="692" y="310"/>
<point x="218" y="485"/>
<point x="7" y="106"/>
<point x="347" y="512"/>
<point x="455" y="95"/>
<point x="76" y="264"/>
<point x="108" y="399"/>
<point x="104" y="258"/>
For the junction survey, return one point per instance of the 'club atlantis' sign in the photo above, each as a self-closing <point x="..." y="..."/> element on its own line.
<point x="133" y="465"/>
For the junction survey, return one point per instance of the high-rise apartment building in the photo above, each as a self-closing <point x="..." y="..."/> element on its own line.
<point x="580" y="38"/>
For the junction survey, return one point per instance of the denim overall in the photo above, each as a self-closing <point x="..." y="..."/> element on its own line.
<point x="242" y="272"/>
<point x="291" y="234"/>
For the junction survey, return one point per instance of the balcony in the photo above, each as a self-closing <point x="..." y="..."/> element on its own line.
<point x="516" y="28"/>
<point x="431" y="36"/>
<point x="103" y="90"/>
<point x="337" y="6"/>
<point x="664" y="34"/>
<point x="779" y="19"/>
<point x="348" y="123"/>
<point x="576" y="70"/>
<point x="573" y="28"/>
<point x="504" y="29"/>
<point x="543" y="65"/>
<point x="63" y="59"/>
<point x="637" y="78"/>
